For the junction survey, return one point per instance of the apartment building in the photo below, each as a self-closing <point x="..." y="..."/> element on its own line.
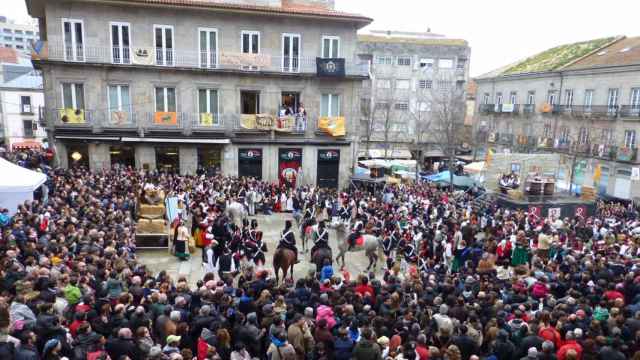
<point x="17" y="35"/>
<point x="582" y="100"/>
<point x="407" y="67"/>
<point x="21" y="98"/>
<point x="264" y="88"/>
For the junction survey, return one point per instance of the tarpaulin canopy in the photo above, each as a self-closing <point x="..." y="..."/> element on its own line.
<point x="17" y="184"/>
<point x="444" y="177"/>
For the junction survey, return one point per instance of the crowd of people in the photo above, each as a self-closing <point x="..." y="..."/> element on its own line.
<point x="460" y="281"/>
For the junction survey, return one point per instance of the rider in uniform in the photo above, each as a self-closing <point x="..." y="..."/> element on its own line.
<point x="356" y="232"/>
<point x="255" y="247"/>
<point x="288" y="239"/>
<point x="320" y="238"/>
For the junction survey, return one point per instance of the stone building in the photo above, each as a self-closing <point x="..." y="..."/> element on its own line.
<point x="582" y="100"/>
<point x="17" y="35"/>
<point x="407" y="67"/>
<point x="177" y="85"/>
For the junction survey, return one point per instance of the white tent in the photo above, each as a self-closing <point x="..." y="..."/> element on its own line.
<point x="17" y="184"/>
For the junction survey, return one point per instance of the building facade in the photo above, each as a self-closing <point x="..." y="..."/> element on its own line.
<point x="21" y="101"/>
<point x="581" y="100"/>
<point x="249" y="88"/>
<point x="407" y="68"/>
<point x="17" y="36"/>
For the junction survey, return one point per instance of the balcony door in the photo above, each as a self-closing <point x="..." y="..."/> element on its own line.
<point x="164" y="44"/>
<point x="208" y="39"/>
<point x="330" y="47"/>
<point x="120" y="43"/>
<point x="119" y="105"/>
<point x="73" y="35"/>
<point x="612" y="100"/>
<point x="250" y="44"/>
<point x="290" y="53"/>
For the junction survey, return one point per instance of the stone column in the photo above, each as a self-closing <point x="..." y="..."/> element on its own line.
<point x="99" y="157"/>
<point x="229" y="160"/>
<point x="62" y="154"/>
<point x="188" y="160"/>
<point x="145" y="155"/>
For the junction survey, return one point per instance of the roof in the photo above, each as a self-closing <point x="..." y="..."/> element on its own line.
<point x="411" y="40"/>
<point x="623" y="52"/>
<point x="288" y="7"/>
<point x="26" y="81"/>
<point x="553" y="59"/>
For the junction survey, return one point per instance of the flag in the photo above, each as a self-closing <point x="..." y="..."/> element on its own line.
<point x="597" y="174"/>
<point x="489" y="156"/>
<point x="72" y="116"/>
<point x="206" y="119"/>
<point x="334" y="126"/>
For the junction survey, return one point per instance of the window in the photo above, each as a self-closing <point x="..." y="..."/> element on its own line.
<point x="635" y="98"/>
<point x="384" y="60"/>
<point x="119" y="99"/>
<point x="402" y="106"/>
<point x="403" y="84"/>
<point x="564" y="135"/>
<point x="330" y="47"/>
<point x="27" y="126"/>
<point x="485" y="98"/>
<point x="588" y="98"/>
<point x="404" y="61"/>
<point x="290" y="52"/>
<point x="444" y="85"/>
<point x="330" y="105"/>
<point x="19" y="47"/>
<point x="73" y="35"/>
<point x="568" y="97"/>
<point x="445" y="63"/>
<point x="384" y="84"/>
<point x="513" y="97"/>
<point x="498" y="98"/>
<point x="18" y="31"/>
<point x="208" y="39"/>
<point x="164" y="44"/>
<point x="630" y="138"/>
<point x="8" y="38"/>
<point x="551" y="97"/>
<point x="19" y="39"/>
<point x="72" y="96"/>
<point x="425" y="84"/>
<point x="25" y="104"/>
<point x="606" y="136"/>
<point x="381" y="105"/>
<point x="546" y="131"/>
<point x="165" y="99"/>
<point x="426" y="63"/>
<point x="28" y="32"/>
<point x="612" y="99"/>
<point x="531" y="98"/>
<point x="250" y="102"/>
<point x="7" y="31"/>
<point x="208" y="103"/>
<point x="120" y="45"/>
<point x="461" y="65"/>
<point x="250" y="43"/>
<point x="583" y="135"/>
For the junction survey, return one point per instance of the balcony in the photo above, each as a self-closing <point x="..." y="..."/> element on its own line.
<point x="505" y="139"/>
<point x="627" y="154"/>
<point x="630" y="111"/>
<point x="604" y="151"/>
<point x="206" y="122"/>
<point x="601" y="112"/>
<point x="184" y="59"/>
<point x="72" y="118"/>
<point x="487" y="109"/>
<point x="296" y="125"/>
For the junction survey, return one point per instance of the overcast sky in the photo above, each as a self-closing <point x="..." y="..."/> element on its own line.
<point x="499" y="31"/>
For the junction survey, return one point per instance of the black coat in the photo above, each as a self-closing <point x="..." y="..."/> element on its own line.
<point x="117" y="347"/>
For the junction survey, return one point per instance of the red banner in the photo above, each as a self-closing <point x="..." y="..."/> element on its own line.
<point x="289" y="166"/>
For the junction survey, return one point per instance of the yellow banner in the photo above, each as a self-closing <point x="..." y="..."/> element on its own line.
<point x="165" y="118"/>
<point x="285" y="123"/>
<point x="334" y="126"/>
<point x="267" y="122"/>
<point x="206" y="119"/>
<point x="72" y="116"/>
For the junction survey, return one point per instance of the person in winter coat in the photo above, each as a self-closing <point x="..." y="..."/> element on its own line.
<point x="28" y="349"/>
<point x="326" y="312"/>
<point x="367" y="348"/>
<point x="343" y="345"/>
<point x="280" y="349"/>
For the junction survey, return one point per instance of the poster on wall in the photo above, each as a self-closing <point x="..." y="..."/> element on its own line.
<point x="581" y="211"/>
<point x="290" y="162"/>
<point x="554" y="213"/>
<point x="535" y="211"/>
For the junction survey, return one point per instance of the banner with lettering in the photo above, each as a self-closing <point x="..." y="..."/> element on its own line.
<point x="334" y="126"/>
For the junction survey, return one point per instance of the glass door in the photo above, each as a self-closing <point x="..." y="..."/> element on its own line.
<point x="290" y="53"/>
<point x="120" y="43"/>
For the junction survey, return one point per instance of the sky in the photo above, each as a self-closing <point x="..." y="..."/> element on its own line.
<point x="499" y="32"/>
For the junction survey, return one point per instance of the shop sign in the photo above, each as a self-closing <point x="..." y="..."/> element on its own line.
<point x="290" y="154"/>
<point x="329" y="155"/>
<point x="250" y="154"/>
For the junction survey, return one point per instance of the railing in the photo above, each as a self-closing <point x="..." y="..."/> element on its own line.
<point x="206" y="121"/>
<point x="169" y="120"/>
<point x="72" y="117"/>
<point x="283" y="125"/>
<point x="487" y="108"/>
<point x="230" y="61"/>
<point x="119" y="119"/>
<point x="627" y="154"/>
<point x="600" y="111"/>
<point x="528" y="108"/>
<point x="603" y="151"/>
<point x="505" y="139"/>
<point x="630" y="111"/>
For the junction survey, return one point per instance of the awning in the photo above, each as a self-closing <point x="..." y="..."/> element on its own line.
<point x="390" y="153"/>
<point x="26" y="145"/>
<point x="433" y="153"/>
<point x="183" y="141"/>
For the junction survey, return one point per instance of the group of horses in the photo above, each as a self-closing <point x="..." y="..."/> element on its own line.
<point x="285" y="259"/>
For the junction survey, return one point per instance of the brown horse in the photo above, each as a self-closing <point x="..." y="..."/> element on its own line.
<point x="283" y="259"/>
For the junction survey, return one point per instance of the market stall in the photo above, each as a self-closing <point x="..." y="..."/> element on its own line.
<point x="17" y="184"/>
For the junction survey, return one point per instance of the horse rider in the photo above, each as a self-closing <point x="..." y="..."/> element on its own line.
<point x="345" y="213"/>
<point x="387" y="249"/>
<point x="320" y="238"/>
<point x="288" y="239"/>
<point x="356" y="231"/>
<point x="226" y="263"/>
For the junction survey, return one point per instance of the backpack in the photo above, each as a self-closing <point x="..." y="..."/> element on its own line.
<point x="7" y="350"/>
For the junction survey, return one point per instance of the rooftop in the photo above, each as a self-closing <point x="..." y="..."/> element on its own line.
<point x="411" y="40"/>
<point x="623" y="52"/>
<point x="556" y="58"/>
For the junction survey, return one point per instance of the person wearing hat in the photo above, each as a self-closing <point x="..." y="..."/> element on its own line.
<point x="288" y="239"/>
<point x="172" y="346"/>
<point x="320" y="238"/>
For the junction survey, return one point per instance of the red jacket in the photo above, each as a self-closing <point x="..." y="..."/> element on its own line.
<point x="203" y="348"/>
<point x="551" y="334"/>
<point x="571" y="344"/>
<point x="363" y="289"/>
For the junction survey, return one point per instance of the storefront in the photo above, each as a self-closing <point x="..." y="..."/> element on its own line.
<point x="289" y="166"/>
<point x="122" y="155"/>
<point x="78" y="155"/>
<point x="168" y="159"/>
<point x="328" y="168"/>
<point x="250" y="163"/>
<point x="210" y="159"/>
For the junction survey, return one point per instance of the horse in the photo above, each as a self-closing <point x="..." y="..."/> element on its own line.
<point x="319" y="257"/>
<point x="236" y="212"/>
<point x="306" y="230"/>
<point x="283" y="259"/>
<point x="371" y="245"/>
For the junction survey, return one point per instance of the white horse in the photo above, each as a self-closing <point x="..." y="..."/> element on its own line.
<point x="371" y="245"/>
<point x="236" y="212"/>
